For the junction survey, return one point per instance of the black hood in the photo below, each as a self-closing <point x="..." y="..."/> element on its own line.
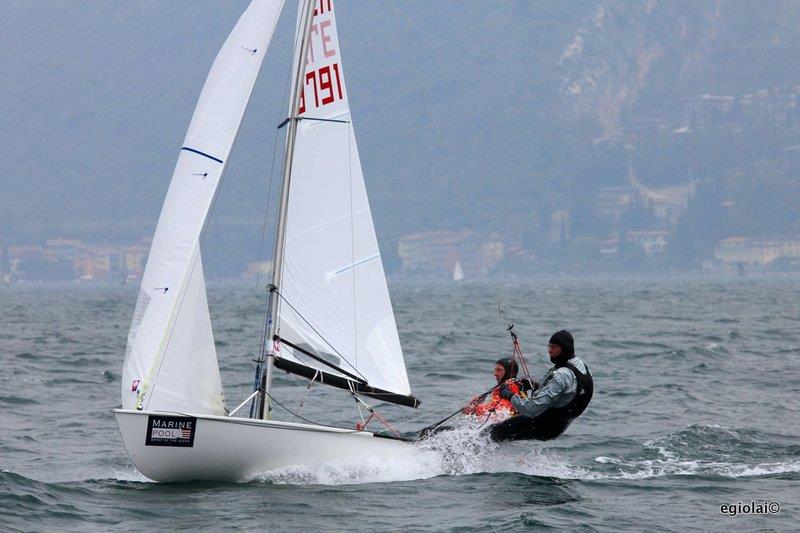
<point x="510" y="367"/>
<point x="564" y="340"/>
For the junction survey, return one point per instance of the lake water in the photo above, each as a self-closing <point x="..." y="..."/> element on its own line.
<point x="695" y="407"/>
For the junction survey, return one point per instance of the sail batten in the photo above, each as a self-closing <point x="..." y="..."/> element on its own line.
<point x="198" y="152"/>
<point x="171" y="361"/>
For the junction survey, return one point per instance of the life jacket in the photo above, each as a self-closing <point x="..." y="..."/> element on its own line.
<point x="555" y="420"/>
<point x="494" y="406"/>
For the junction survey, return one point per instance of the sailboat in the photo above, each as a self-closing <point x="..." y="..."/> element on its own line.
<point x="329" y="318"/>
<point x="458" y="272"/>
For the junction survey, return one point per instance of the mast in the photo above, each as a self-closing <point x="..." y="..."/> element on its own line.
<point x="280" y="239"/>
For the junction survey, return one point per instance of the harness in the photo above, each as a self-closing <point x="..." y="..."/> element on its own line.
<point x="555" y="420"/>
<point x="583" y="395"/>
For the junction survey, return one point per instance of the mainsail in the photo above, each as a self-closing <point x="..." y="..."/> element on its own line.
<point x="334" y="299"/>
<point x="170" y="361"/>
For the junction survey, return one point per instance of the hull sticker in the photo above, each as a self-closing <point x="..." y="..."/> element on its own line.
<point x="163" y="430"/>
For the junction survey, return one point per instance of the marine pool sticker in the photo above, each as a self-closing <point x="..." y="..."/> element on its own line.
<point x="170" y="430"/>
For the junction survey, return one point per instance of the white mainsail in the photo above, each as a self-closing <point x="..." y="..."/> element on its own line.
<point x="333" y="283"/>
<point x="171" y="362"/>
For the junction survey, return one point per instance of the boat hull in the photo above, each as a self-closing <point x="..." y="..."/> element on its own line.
<point x="235" y="449"/>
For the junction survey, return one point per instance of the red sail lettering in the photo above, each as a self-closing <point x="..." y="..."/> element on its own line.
<point x="310" y="56"/>
<point x="325" y="85"/>
<point x="338" y="81"/>
<point x="323" y="6"/>
<point x="326" y="38"/>
<point x="311" y="76"/>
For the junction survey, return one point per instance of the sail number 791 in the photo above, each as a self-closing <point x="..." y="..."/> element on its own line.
<point x="327" y="85"/>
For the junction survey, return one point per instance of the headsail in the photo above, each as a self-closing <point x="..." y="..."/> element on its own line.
<point x="170" y="362"/>
<point x="336" y="302"/>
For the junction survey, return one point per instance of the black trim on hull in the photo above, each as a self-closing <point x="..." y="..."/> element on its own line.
<point x="344" y="383"/>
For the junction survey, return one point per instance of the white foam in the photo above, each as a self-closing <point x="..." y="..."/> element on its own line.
<point x="95" y="474"/>
<point x="676" y="467"/>
<point x="130" y="474"/>
<point x="463" y="450"/>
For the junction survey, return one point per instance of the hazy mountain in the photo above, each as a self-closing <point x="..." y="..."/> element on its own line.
<point x="468" y="114"/>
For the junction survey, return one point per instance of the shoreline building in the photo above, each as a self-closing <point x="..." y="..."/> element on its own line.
<point x="436" y="253"/>
<point x="738" y="254"/>
<point x="74" y="260"/>
<point x="652" y="242"/>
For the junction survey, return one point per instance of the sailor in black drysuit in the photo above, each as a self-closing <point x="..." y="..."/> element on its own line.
<point x="562" y="395"/>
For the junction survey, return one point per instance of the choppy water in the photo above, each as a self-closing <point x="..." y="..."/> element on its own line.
<point x="696" y="405"/>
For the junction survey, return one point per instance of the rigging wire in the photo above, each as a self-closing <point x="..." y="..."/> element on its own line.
<point x="263" y="341"/>
<point x="260" y="359"/>
<point x="266" y="210"/>
<point x="287" y="302"/>
<point x="269" y="191"/>
<point x="418" y="417"/>
<point x="297" y="415"/>
<point x="522" y="365"/>
<point x="435" y="425"/>
<point x="372" y="413"/>
<point x="305" y="395"/>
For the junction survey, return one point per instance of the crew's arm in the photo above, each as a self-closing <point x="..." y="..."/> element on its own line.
<point x="544" y="396"/>
<point x="470" y="407"/>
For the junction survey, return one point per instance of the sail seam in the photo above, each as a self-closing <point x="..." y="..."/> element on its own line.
<point x="322" y="224"/>
<point x="252" y="19"/>
<point x="219" y="129"/>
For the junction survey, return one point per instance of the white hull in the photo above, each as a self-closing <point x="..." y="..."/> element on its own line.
<point x="233" y="449"/>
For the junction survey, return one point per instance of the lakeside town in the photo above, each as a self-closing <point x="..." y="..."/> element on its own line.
<point x="634" y="228"/>
<point x="636" y="243"/>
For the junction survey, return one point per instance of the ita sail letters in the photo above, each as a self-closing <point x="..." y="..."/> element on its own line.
<point x="170" y="431"/>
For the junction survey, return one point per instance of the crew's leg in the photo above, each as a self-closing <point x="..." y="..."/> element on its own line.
<point x="515" y="428"/>
<point x="547" y="428"/>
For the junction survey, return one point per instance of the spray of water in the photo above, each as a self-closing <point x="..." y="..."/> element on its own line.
<point x="462" y="450"/>
<point x="465" y="449"/>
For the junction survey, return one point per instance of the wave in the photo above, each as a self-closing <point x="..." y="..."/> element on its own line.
<point x="707" y="450"/>
<point x="22" y="497"/>
<point x="12" y="480"/>
<point x="694" y="451"/>
<point x="675" y="467"/>
<point x="17" y="400"/>
<point x="697" y="450"/>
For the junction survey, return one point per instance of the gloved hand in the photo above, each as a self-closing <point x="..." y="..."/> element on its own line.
<point x="527" y="384"/>
<point x="505" y="392"/>
<point x="470" y="407"/>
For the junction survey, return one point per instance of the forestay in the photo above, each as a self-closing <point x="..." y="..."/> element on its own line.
<point x="336" y="302"/>
<point x="170" y="361"/>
